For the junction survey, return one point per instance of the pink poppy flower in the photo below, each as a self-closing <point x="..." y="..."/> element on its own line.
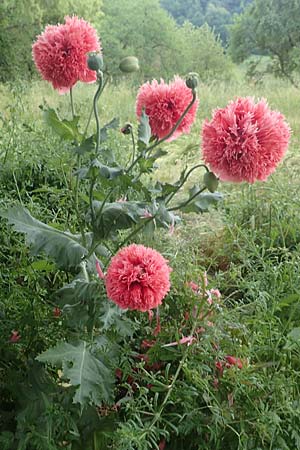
<point x="164" y="104"/>
<point x="245" y="141"/>
<point x="60" y="53"/>
<point x="138" y="278"/>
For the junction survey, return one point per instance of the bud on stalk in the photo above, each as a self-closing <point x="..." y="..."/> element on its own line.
<point x="129" y="64"/>
<point x="210" y="181"/>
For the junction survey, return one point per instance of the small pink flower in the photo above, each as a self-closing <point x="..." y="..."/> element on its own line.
<point x="60" y="53"/>
<point x="138" y="278"/>
<point x="56" y="312"/>
<point x="245" y="141"/>
<point x="146" y="214"/>
<point x="164" y="104"/>
<point x="233" y="361"/>
<point x="147" y="344"/>
<point x="99" y="271"/>
<point x="15" y="336"/>
<point x="216" y="293"/>
<point x="193" y="286"/>
<point x="220" y="367"/>
<point x="184" y="340"/>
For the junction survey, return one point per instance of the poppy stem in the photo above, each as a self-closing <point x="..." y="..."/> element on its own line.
<point x="72" y="103"/>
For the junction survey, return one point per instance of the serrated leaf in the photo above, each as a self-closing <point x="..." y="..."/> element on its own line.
<point x="202" y="202"/>
<point x="86" y="146"/>
<point x="65" y="248"/>
<point x="113" y="316"/>
<point x="144" y="131"/>
<point x="66" y="129"/>
<point x="113" y="124"/>
<point x="98" y="169"/>
<point x="91" y="377"/>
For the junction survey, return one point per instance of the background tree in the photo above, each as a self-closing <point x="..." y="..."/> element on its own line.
<point x="218" y="14"/>
<point x="21" y="21"/>
<point x="269" y="27"/>
<point x="142" y="29"/>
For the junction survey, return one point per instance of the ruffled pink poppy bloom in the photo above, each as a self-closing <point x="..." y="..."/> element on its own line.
<point x="60" y="53"/>
<point x="164" y="104"/>
<point x="245" y="141"/>
<point x="138" y="278"/>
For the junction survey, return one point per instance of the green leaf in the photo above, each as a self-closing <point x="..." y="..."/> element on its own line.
<point x="202" y="202"/>
<point x="66" y="129"/>
<point x="144" y="131"/>
<point x="113" y="316"/>
<point x="113" y="124"/>
<point x="97" y="168"/>
<point x="117" y="215"/>
<point x="86" y="146"/>
<point x="65" y="248"/>
<point x="87" y="373"/>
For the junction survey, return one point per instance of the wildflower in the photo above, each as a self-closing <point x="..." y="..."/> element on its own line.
<point x="56" y="312"/>
<point x="164" y="104"/>
<point x="15" y="337"/>
<point x="233" y="361"/>
<point x="147" y="344"/>
<point x="138" y="278"/>
<point x="146" y="214"/>
<point x="245" y="141"/>
<point x="99" y="271"/>
<point x="184" y="340"/>
<point x="60" y="53"/>
<point x="220" y="367"/>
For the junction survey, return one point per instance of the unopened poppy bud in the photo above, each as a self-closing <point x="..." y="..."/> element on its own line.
<point x="127" y="128"/>
<point x="95" y="61"/>
<point x="192" y="80"/>
<point x="129" y="64"/>
<point x="210" y="181"/>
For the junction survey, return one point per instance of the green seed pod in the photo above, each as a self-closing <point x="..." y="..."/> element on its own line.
<point x="95" y="61"/>
<point x="129" y="64"/>
<point x="192" y="80"/>
<point x="210" y="181"/>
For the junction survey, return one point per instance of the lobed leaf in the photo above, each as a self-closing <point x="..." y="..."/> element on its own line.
<point x="91" y="377"/>
<point x="65" y="248"/>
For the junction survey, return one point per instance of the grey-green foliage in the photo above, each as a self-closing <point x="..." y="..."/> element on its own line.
<point x="64" y="247"/>
<point x="269" y="27"/>
<point x="85" y="371"/>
